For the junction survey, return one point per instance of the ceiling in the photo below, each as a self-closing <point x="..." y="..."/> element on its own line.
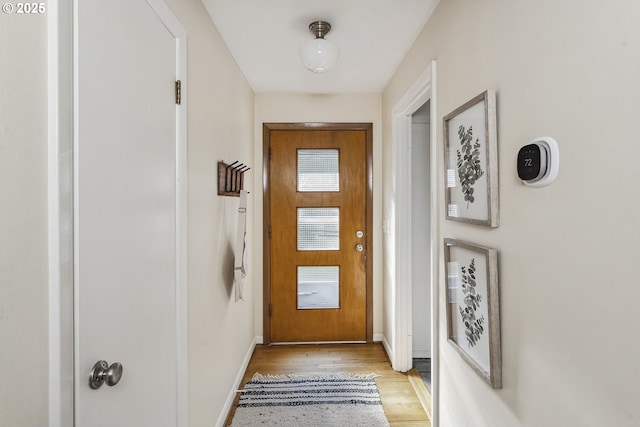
<point x="373" y="35"/>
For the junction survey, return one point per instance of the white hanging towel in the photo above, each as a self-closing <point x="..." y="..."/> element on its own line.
<point x="240" y="249"/>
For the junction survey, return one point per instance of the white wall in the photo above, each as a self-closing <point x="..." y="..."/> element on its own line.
<point x="220" y="127"/>
<point x="568" y="252"/>
<point x="291" y="108"/>
<point x="23" y="220"/>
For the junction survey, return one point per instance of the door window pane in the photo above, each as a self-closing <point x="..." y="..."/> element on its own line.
<point x="318" y="287"/>
<point x="318" y="229"/>
<point x="318" y="170"/>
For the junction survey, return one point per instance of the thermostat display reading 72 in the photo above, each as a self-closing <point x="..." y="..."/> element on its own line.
<point x="538" y="162"/>
<point x="531" y="159"/>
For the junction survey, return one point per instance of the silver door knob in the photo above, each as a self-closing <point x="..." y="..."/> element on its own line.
<point x="359" y="248"/>
<point x="103" y="373"/>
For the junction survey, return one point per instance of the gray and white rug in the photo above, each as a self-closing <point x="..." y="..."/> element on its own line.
<point x="300" y="400"/>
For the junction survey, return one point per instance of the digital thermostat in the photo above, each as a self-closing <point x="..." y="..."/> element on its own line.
<point x="538" y="162"/>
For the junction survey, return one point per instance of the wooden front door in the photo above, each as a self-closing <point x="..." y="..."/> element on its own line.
<point x="317" y="224"/>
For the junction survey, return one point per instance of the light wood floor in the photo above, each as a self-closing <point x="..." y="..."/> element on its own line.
<point x="399" y="400"/>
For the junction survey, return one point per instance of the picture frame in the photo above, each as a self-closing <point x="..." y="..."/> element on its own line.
<point x="471" y="162"/>
<point x="473" y="307"/>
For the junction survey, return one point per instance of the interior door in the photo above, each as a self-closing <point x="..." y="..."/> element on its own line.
<point x="318" y="194"/>
<point x="125" y="214"/>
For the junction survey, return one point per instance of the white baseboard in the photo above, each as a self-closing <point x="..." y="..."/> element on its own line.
<point x="236" y="384"/>
<point x="378" y="337"/>
<point x="387" y="347"/>
<point x="259" y="339"/>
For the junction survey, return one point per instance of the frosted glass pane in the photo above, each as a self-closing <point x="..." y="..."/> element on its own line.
<point x="318" y="287"/>
<point x="318" y="170"/>
<point x="318" y="229"/>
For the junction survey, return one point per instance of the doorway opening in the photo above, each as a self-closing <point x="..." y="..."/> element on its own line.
<point x="416" y="205"/>
<point x="421" y="242"/>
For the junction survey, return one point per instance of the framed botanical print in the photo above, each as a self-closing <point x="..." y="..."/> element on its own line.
<point x="473" y="307"/>
<point x="471" y="162"/>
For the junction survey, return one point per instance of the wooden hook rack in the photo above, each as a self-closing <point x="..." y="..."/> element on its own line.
<point x="231" y="178"/>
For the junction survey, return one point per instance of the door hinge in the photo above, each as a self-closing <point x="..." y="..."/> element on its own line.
<point x="270" y="310"/>
<point x="269" y="231"/>
<point x="269" y="153"/>
<point x="178" y="92"/>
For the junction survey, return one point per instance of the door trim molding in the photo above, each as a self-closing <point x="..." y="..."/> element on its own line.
<point x="266" y="217"/>
<point x="422" y="90"/>
<point x="61" y="117"/>
<point x="60" y="211"/>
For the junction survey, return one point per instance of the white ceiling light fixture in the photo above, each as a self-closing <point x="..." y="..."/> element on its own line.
<point x="319" y="55"/>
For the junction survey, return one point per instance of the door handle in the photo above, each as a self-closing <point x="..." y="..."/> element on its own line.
<point x="359" y="248"/>
<point x="103" y="373"/>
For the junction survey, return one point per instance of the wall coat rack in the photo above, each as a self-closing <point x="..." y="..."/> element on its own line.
<point x="231" y="178"/>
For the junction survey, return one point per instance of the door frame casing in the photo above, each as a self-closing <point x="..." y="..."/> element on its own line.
<point x="310" y="126"/>
<point x="422" y="90"/>
<point x="61" y="141"/>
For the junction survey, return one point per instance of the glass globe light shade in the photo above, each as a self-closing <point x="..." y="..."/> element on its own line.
<point x="319" y="55"/>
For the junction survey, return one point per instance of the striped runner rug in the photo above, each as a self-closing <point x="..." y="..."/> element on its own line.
<point x="301" y="400"/>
